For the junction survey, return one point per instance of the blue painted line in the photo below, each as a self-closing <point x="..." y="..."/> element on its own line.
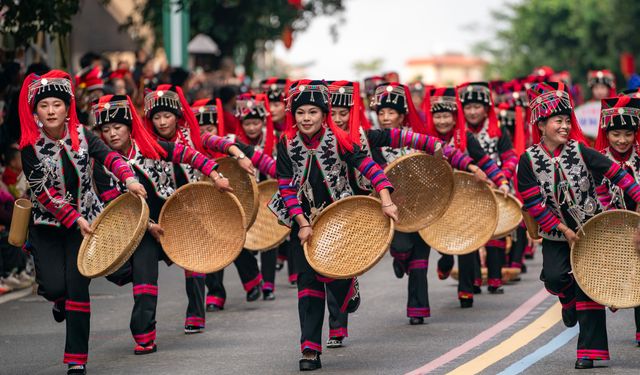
<point x="543" y="351"/>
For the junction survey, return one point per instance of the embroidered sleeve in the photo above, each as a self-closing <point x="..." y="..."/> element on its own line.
<point x="181" y="154"/>
<point x="263" y="162"/>
<point x="286" y="185"/>
<point x="110" y="159"/>
<point x="214" y="143"/>
<point x="604" y="194"/>
<point x="529" y="190"/>
<point x="107" y="189"/>
<point x="604" y="167"/>
<point x="483" y="161"/>
<point x="368" y="168"/>
<point x="48" y="196"/>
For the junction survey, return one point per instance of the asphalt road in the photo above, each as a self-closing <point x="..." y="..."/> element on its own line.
<point x="262" y="337"/>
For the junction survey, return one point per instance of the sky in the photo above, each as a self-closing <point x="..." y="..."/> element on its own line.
<point x="394" y="30"/>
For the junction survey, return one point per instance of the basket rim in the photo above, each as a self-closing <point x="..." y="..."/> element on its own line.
<point x="372" y="264"/>
<point x="263" y="185"/>
<point x="510" y="197"/>
<point x="578" y="275"/>
<point x="254" y="186"/>
<point x="198" y="184"/>
<point x="133" y="243"/>
<point x="466" y="175"/>
<point x="410" y="228"/>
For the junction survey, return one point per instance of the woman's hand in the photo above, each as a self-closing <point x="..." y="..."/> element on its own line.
<point x="305" y="233"/>
<point x="480" y="175"/>
<point x="504" y="188"/>
<point x="390" y="210"/>
<point x="246" y="164"/>
<point x="571" y="236"/>
<point x="156" y="231"/>
<point x="137" y="188"/>
<point x="221" y="183"/>
<point x="85" y="227"/>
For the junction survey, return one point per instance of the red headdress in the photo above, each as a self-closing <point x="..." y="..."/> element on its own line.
<point x="346" y="94"/>
<point x="549" y="99"/>
<point x="620" y="113"/>
<point x="478" y="92"/>
<point x="397" y="96"/>
<point x="604" y="77"/>
<point x="313" y="92"/>
<point x="171" y="99"/>
<point x="90" y="79"/>
<point x="55" y="83"/>
<point x="120" y="109"/>
<point x="255" y="106"/>
<point x="445" y="99"/>
<point x="209" y="112"/>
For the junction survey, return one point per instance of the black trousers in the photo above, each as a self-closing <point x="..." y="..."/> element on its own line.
<point x="338" y="320"/>
<point x="413" y="254"/>
<point x="12" y="259"/>
<point x="284" y="253"/>
<point x="312" y="290"/>
<point x="250" y="276"/>
<point x="467" y="265"/>
<point x="268" y="261"/>
<point x="194" y="286"/>
<point x="556" y="265"/>
<point x="495" y="261"/>
<point x="637" y="314"/>
<point x="142" y="270"/>
<point x="55" y="253"/>
<point x="516" y="255"/>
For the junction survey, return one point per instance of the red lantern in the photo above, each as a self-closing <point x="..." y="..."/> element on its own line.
<point x="287" y="36"/>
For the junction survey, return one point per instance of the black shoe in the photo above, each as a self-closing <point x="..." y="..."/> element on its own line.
<point x="477" y="290"/>
<point x="354" y="302"/>
<point x="293" y="284"/>
<point x="334" y="342"/>
<point x="528" y="256"/>
<point x="398" y="270"/>
<point x="80" y="369"/>
<point x="190" y="330"/>
<point x="213" y="308"/>
<point x="58" y="311"/>
<point x="253" y="294"/>
<point x="279" y="266"/>
<point x="466" y="303"/>
<point x="268" y="295"/>
<point x="523" y="268"/>
<point x="145" y="348"/>
<point x="583" y="363"/>
<point x="569" y="317"/>
<point x="495" y="290"/>
<point x="414" y="321"/>
<point x="310" y="364"/>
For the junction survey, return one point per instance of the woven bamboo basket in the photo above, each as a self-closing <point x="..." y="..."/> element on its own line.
<point x="469" y="221"/>
<point x="349" y="237"/>
<point x="509" y="214"/>
<point x="203" y="228"/>
<point x="605" y="261"/>
<point x="117" y="232"/>
<point x="508" y="274"/>
<point x="244" y="186"/>
<point x="531" y="224"/>
<point x="423" y="188"/>
<point x="266" y="233"/>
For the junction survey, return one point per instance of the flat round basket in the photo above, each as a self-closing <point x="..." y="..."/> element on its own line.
<point x="203" y="228"/>
<point x="470" y="220"/>
<point x="423" y="187"/>
<point x="349" y="237"/>
<point x="117" y="232"/>
<point x="605" y="261"/>
<point x="509" y="214"/>
<point x="531" y="224"/>
<point x="266" y="233"/>
<point x="244" y="187"/>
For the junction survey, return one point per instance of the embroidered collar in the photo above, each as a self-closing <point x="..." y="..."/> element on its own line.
<point x="478" y="128"/>
<point x="621" y="157"/>
<point x="314" y="140"/>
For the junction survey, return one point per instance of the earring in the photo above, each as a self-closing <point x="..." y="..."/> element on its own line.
<point x="39" y="124"/>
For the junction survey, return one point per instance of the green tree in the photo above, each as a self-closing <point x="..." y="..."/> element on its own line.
<point x="23" y="19"/>
<point x="564" y="34"/>
<point x="239" y="27"/>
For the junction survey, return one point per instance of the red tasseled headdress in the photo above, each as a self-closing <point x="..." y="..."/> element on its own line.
<point x="200" y="107"/>
<point x="34" y="84"/>
<point x="347" y="94"/>
<point x="187" y="121"/>
<point x="315" y="89"/>
<point x="612" y="115"/>
<point x="263" y="101"/>
<point x="494" y="127"/>
<point x="144" y="141"/>
<point x="460" y="128"/>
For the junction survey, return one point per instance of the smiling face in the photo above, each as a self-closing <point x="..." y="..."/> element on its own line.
<point x="309" y="119"/>
<point x="555" y="129"/>
<point x="389" y="118"/>
<point x="621" y="140"/>
<point x="444" y="122"/>
<point x="475" y="113"/>
<point x="253" y="128"/>
<point x="340" y="117"/>
<point x="165" y="124"/>
<point x="52" y="113"/>
<point x="117" y="136"/>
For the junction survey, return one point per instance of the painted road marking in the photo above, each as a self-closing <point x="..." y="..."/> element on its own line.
<point x="486" y="335"/>
<point x="519" y="339"/>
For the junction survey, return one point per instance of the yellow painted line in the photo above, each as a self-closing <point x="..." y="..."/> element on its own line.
<point x="519" y="339"/>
